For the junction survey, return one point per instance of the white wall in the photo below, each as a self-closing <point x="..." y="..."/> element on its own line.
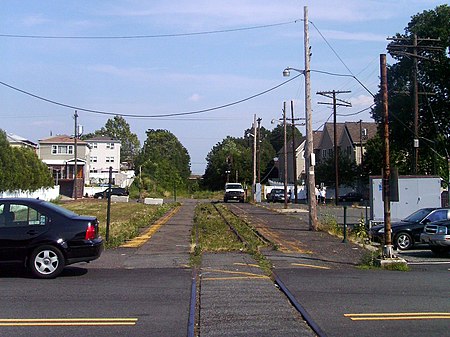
<point x="44" y="194"/>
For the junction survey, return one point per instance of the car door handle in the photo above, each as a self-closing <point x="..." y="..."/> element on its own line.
<point x="32" y="232"/>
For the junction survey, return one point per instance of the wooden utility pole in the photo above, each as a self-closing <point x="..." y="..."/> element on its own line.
<point x="387" y="249"/>
<point x="294" y="153"/>
<point x="285" y="155"/>
<point x="309" y="149"/>
<point x="335" y="103"/>
<point x="254" y="158"/>
<point x="259" y="149"/>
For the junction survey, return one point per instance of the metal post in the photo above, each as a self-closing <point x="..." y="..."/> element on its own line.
<point x="254" y="158"/>
<point x="108" y="209"/>
<point x="335" y="150"/>
<point x="285" y="155"/>
<point x="345" y="225"/>
<point x="75" y="168"/>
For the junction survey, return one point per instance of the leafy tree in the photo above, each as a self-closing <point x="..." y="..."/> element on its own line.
<point x="163" y="162"/>
<point x="325" y="171"/>
<point x="434" y="110"/>
<point x="21" y="169"/>
<point x="118" y="128"/>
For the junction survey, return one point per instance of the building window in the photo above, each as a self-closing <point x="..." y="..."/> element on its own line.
<point x="330" y="153"/>
<point x="62" y="149"/>
<point x="324" y="153"/>
<point x="349" y="151"/>
<point x="93" y="171"/>
<point x="110" y="145"/>
<point x="94" y="145"/>
<point x="94" y="159"/>
<point x="110" y="159"/>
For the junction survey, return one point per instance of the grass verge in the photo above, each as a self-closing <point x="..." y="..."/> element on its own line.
<point x="127" y="220"/>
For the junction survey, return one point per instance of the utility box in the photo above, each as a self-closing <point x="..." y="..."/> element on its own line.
<point x="414" y="192"/>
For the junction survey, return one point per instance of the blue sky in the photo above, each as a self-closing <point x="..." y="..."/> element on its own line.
<point x="167" y="75"/>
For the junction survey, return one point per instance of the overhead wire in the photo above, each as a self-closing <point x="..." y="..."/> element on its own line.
<point x="148" y="116"/>
<point x="74" y="37"/>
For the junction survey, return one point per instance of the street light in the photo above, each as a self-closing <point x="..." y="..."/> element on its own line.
<point x="309" y="151"/>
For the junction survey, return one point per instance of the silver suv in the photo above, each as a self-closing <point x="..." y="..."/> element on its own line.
<point x="437" y="235"/>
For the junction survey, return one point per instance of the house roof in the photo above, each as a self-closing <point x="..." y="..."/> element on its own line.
<point x="100" y="139"/>
<point x="61" y="139"/>
<point x="317" y="138"/>
<point x="15" y="139"/>
<point x="356" y="131"/>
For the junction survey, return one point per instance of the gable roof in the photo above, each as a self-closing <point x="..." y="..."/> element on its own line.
<point x="15" y="139"/>
<point x="356" y="131"/>
<point x="61" y="139"/>
<point x="102" y="139"/>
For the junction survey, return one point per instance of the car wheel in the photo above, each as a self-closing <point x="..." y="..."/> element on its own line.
<point x="404" y="241"/>
<point x="46" y="262"/>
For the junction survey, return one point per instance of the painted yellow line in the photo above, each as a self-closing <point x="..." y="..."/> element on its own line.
<point x="309" y="266"/>
<point x="398" y="316"/>
<point x="246" y="264"/>
<point x="68" y="322"/>
<point x="141" y="239"/>
<point x="234" y="278"/>
<point x="232" y="272"/>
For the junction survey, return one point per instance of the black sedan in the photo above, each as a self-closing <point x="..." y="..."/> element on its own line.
<point x="45" y="237"/>
<point x="351" y="196"/>
<point x="407" y="232"/>
<point x="276" y="195"/>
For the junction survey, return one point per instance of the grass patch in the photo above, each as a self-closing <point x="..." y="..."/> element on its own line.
<point x="127" y="219"/>
<point x="213" y="235"/>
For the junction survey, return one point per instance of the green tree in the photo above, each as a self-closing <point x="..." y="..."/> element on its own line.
<point x="434" y="110"/>
<point x="21" y="169"/>
<point x="347" y="175"/>
<point x="163" y="162"/>
<point x="118" y="128"/>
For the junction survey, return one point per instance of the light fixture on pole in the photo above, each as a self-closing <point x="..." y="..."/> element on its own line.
<point x="309" y="153"/>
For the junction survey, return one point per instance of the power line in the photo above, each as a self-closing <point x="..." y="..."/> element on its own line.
<point x="99" y="112"/>
<point x="73" y="37"/>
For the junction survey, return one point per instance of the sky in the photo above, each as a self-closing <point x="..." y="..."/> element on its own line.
<point x="201" y="69"/>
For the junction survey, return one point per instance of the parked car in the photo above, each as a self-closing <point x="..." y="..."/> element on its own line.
<point x="351" y="196"/>
<point x="407" y="232"/>
<point x="234" y="191"/>
<point x="45" y="237"/>
<point x="276" y="195"/>
<point x="114" y="191"/>
<point x="437" y="235"/>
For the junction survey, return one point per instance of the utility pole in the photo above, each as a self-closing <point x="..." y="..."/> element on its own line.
<point x="335" y="140"/>
<point x="294" y="153"/>
<point x="404" y="50"/>
<point x="309" y="150"/>
<point x="75" y="169"/>
<point x="285" y="155"/>
<point x="254" y="158"/>
<point x="259" y="149"/>
<point x="387" y="249"/>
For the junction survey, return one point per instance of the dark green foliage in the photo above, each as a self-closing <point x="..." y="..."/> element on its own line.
<point x="434" y="109"/>
<point x="348" y="172"/>
<point x="21" y="169"/>
<point x="163" y="162"/>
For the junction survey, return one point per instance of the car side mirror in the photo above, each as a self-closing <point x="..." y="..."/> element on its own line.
<point x="426" y="221"/>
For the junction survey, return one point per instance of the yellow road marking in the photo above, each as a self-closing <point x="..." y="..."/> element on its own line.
<point x="309" y="265"/>
<point x="67" y="321"/>
<point x="246" y="264"/>
<point x="243" y="275"/>
<point x="398" y="316"/>
<point x="140" y="240"/>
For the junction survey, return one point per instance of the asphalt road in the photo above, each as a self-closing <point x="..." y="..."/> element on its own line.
<point x="97" y="302"/>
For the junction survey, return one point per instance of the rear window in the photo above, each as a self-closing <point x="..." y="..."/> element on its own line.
<point x="233" y="186"/>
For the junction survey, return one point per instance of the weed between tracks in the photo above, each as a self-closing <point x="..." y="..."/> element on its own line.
<point x="212" y="234"/>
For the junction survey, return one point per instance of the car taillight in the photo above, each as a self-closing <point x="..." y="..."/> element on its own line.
<point x="90" y="232"/>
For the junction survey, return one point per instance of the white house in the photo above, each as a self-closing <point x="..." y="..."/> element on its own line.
<point x="105" y="153"/>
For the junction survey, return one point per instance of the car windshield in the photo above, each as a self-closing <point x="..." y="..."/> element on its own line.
<point x="418" y="215"/>
<point x="234" y="186"/>
<point x="278" y="191"/>
<point x="60" y="209"/>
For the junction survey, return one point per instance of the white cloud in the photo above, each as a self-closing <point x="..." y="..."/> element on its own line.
<point x="195" y="98"/>
<point x="353" y="36"/>
<point x="363" y="101"/>
<point x="34" y="20"/>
